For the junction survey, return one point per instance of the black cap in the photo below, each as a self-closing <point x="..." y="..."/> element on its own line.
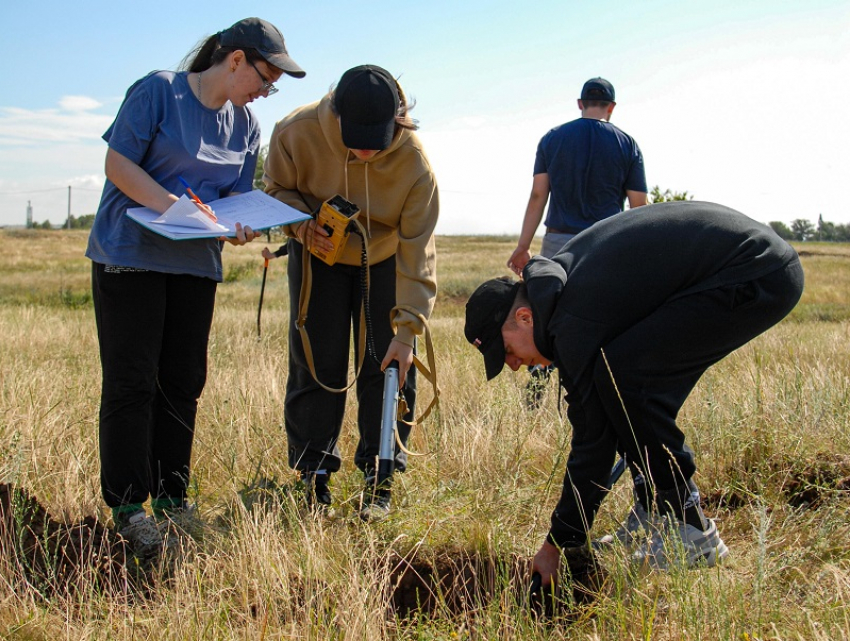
<point x="598" y="89"/>
<point x="366" y="100"/>
<point x="486" y="312"/>
<point x="254" y="33"/>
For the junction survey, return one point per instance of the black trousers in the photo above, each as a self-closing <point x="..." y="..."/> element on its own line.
<point x="312" y="415"/>
<point x="657" y="363"/>
<point x="153" y="330"/>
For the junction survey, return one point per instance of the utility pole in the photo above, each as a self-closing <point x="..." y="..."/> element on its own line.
<point x="69" y="206"/>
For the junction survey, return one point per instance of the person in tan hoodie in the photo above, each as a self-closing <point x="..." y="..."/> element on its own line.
<point x="357" y="142"/>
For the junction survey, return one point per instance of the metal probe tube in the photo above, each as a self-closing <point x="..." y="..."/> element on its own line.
<point x="386" y="452"/>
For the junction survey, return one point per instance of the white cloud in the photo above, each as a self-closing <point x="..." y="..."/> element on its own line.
<point x="73" y="121"/>
<point x="90" y="181"/>
<point x="78" y="103"/>
<point x="41" y="174"/>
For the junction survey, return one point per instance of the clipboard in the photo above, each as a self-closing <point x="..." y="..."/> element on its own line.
<point x="183" y="220"/>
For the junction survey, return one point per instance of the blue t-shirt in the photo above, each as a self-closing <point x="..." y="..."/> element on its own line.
<point x="164" y="128"/>
<point x="591" y="163"/>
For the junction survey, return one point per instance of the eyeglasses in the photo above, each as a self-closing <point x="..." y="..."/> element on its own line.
<point x="268" y="87"/>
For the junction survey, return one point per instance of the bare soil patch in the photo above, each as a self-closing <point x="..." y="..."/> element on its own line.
<point x="458" y="582"/>
<point x="803" y="483"/>
<point x="52" y="556"/>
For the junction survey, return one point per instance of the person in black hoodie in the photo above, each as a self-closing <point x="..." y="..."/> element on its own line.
<point x="632" y="312"/>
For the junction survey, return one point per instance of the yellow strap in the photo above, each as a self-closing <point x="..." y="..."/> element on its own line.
<point x="429" y="372"/>
<point x="304" y="305"/>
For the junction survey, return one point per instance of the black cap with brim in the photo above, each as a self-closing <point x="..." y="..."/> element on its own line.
<point x="283" y="62"/>
<point x="363" y="136"/>
<point x="266" y="39"/>
<point x="486" y="312"/>
<point x="597" y="89"/>
<point x="367" y="101"/>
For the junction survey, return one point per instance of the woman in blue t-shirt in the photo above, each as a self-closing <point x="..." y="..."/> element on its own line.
<point x="154" y="297"/>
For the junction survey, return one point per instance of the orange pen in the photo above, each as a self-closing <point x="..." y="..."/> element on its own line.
<point x="195" y="198"/>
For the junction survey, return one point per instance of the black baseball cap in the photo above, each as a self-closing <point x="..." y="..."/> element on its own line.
<point x="366" y="101"/>
<point x="254" y="33"/>
<point x="597" y="89"/>
<point x="486" y="312"/>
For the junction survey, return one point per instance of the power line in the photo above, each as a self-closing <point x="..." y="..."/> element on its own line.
<point x="32" y="191"/>
<point x="39" y="191"/>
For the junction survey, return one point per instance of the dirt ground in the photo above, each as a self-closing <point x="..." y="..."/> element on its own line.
<point x="52" y="556"/>
<point x="48" y="555"/>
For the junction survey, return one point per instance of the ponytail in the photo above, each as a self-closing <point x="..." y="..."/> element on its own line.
<point x="208" y="53"/>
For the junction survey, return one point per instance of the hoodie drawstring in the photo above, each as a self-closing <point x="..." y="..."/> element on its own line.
<point x="368" y="219"/>
<point x="366" y="165"/>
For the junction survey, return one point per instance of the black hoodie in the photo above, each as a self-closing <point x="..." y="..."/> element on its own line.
<point x="603" y="282"/>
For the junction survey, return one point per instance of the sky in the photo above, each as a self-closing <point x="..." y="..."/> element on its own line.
<point x="739" y="102"/>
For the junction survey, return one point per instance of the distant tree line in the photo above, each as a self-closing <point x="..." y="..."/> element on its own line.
<point x="803" y="230"/>
<point x="83" y="222"/>
<point x="657" y="196"/>
<point x="258" y="172"/>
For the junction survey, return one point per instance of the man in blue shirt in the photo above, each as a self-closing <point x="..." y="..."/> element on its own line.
<point x="585" y="169"/>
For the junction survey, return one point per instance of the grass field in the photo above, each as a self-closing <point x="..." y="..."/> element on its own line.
<point x="769" y="425"/>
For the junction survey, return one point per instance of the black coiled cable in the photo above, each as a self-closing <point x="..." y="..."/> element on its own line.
<point x="364" y="292"/>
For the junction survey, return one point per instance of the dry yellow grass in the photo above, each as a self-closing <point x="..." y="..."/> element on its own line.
<point x="763" y="421"/>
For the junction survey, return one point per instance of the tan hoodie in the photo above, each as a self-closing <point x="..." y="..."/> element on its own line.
<point x="396" y="191"/>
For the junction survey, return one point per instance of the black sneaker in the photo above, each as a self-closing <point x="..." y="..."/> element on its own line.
<point x="316" y="491"/>
<point x="375" y="502"/>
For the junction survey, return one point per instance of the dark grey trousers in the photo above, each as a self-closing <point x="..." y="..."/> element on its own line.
<point x="312" y="415"/>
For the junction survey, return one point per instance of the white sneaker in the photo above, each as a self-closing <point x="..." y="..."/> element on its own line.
<point x="638" y="524"/>
<point x="677" y="543"/>
<point x="142" y="533"/>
